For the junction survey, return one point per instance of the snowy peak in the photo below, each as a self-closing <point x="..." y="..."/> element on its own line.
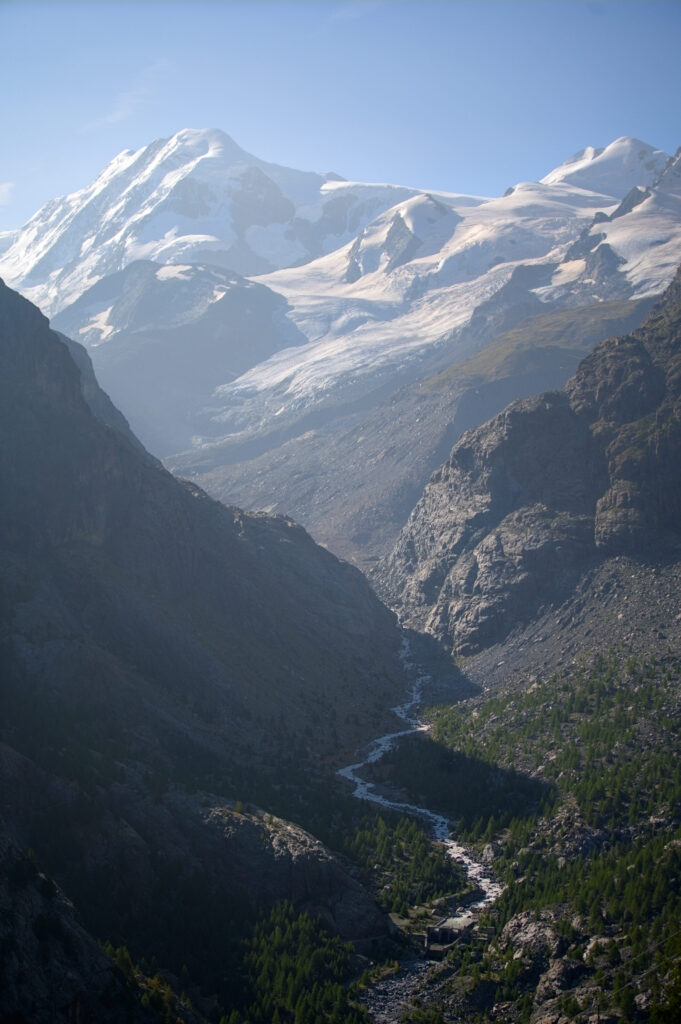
<point x="632" y="251"/>
<point x="185" y="148"/>
<point x="418" y="227"/>
<point x="196" y="197"/>
<point x="612" y="171"/>
<point x="207" y="142"/>
<point x="445" y="271"/>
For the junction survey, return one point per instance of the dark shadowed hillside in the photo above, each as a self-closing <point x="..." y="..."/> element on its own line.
<point x="164" y="658"/>
<point x="122" y="585"/>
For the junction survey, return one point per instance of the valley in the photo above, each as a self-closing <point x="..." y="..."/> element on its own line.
<point x="419" y="764"/>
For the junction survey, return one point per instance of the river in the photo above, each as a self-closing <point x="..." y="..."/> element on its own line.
<point x="385" y="1000"/>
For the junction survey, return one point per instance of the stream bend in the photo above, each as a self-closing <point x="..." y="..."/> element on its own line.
<point x="438" y="824"/>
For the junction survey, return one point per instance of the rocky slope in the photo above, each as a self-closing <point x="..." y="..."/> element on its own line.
<point x="143" y="835"/>
<point x="51" y="969"/>
<point x="546" y="490"/>
<point x="123" y="560"/>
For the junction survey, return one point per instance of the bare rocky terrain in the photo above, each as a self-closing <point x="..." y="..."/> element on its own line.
<point x="621" y="603"/>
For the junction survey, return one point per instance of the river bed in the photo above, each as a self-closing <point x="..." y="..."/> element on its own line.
<point x="385" y="999"/>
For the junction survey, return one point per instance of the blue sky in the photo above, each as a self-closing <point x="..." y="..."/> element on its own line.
<point x="460" y="96"/>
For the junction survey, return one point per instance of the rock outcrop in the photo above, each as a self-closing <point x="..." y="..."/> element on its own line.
<point x="283" y="856"/>
<point x="546" y="489"/>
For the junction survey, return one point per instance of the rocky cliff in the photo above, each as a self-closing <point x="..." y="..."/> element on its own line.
<point x="547" y="489"/>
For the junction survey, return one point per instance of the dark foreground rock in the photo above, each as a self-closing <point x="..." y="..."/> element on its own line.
<point x="157" y="646"/>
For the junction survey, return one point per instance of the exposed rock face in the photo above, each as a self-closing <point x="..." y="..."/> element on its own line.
<point x="282" y="856"/>
<point x="629" y="391"/>
<point x="534" y="934"/>
<point x="546" y="488"/>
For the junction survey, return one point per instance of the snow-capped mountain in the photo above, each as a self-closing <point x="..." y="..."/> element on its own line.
<point x="326" y="432"/>
<point x="356" y="290"/>
<point x="402" y="296"/>
<point x="196" y="197"/>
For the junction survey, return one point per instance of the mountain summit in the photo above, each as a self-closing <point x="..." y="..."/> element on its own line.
<point x="195" y="197"/>
<point x="614" y="170"/>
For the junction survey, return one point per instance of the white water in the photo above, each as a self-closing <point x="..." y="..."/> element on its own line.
<point x="439" y="825"/>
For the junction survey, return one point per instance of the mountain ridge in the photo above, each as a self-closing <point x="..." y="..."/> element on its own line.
<point x="109" y="508"/>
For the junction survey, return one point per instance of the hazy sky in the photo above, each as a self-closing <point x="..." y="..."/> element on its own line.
<point x="460" y="96"/>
